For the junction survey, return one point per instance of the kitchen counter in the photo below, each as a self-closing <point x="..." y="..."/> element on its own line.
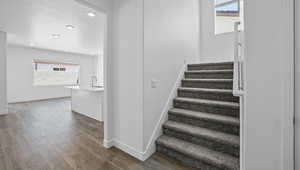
<point x="87" y="101"/>
<point x="96" y="89"/>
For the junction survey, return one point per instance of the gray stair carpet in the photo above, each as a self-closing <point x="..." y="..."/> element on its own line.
<point x="223" y="74"/>
<point x="202" y="130"/>
<point x="208" y="83"/>
<point x="210" y="94"/>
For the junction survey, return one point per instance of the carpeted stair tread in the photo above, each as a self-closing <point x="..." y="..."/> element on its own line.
<point x="210" y="71"/>
<point x="224" y="138"/>
<point x="214" y="158"/>
<point x="208" y="94"/>
<point x="211" y="66"/>
<point x="208" y="80"/>
<point x="191" y="89"/>
<point x="207" y="116"/>
<point x="211" y="83"/>
<point x="206" y="64"/>
<point x="208" y="102"/>
<point x="203" y="127"/>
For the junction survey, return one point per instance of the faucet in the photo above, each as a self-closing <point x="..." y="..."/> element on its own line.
<point x="94" y="78"/>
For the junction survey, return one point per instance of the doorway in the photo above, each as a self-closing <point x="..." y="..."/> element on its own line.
<point x="56" y="53"/>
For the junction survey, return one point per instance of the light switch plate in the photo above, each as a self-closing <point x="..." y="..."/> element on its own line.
<point x="154" y="83"/>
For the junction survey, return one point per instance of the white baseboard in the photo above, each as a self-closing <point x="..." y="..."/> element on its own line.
<point x="108" y="143"/>
<point x="142" y="156"/>
<point x="151" y="150"/>
<point x="4" y="111"/>
<point x="130" y="150"/>
<point x="151" y="147"/>
<point x="36" y="100"/>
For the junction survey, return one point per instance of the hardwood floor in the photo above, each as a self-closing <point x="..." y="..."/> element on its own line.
<point x="46" y="135"/>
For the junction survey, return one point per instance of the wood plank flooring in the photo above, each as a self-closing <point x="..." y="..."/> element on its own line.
<point x="46" y="135"/>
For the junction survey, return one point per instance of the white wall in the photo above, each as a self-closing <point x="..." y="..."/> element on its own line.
<point x="123" y="73"/>
<point x="128" y="74"/>
<point x="297" y="84"/>
<point x="269" y="84"/>
<point x="87" y="69"/>
<point x="155" y="51"/>
<point x="213" y="48"/>
<point x="99" y="69"/>
<point x="171" y="35"/>
<point x="20" y="73"/>
<point x="3" y="80"/>
<point x="125" y="65"/>
<point x="225" y="24"/>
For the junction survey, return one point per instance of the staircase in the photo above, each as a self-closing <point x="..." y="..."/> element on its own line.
<point x="203" y="127"/>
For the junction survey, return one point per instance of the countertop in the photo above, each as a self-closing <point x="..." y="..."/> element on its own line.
<point x="92" y="89"/>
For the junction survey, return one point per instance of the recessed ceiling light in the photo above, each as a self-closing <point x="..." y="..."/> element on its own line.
<point x="70" y="27"/>
<point x="55" y="36"/>
<point x="91" y="14"/>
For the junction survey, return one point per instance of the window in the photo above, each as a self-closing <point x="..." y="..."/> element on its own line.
<point x="55" y="74"/>
<point x="227" y="8"/>
<point x="227" y="12"/>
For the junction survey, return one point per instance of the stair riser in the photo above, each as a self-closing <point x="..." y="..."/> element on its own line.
<point x="209" y="75"/>
<point x="189" y="161"/>
<point x="209" y="85"/>
<point x="208" y="95"/>
<point x="228" y="111"/>
<point x="218" y="126"/>
<point x="211" y="67"/>
<point x="199" y="140"/>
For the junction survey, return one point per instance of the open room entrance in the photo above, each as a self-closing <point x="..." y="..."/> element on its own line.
<point x="55" y="67"/>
